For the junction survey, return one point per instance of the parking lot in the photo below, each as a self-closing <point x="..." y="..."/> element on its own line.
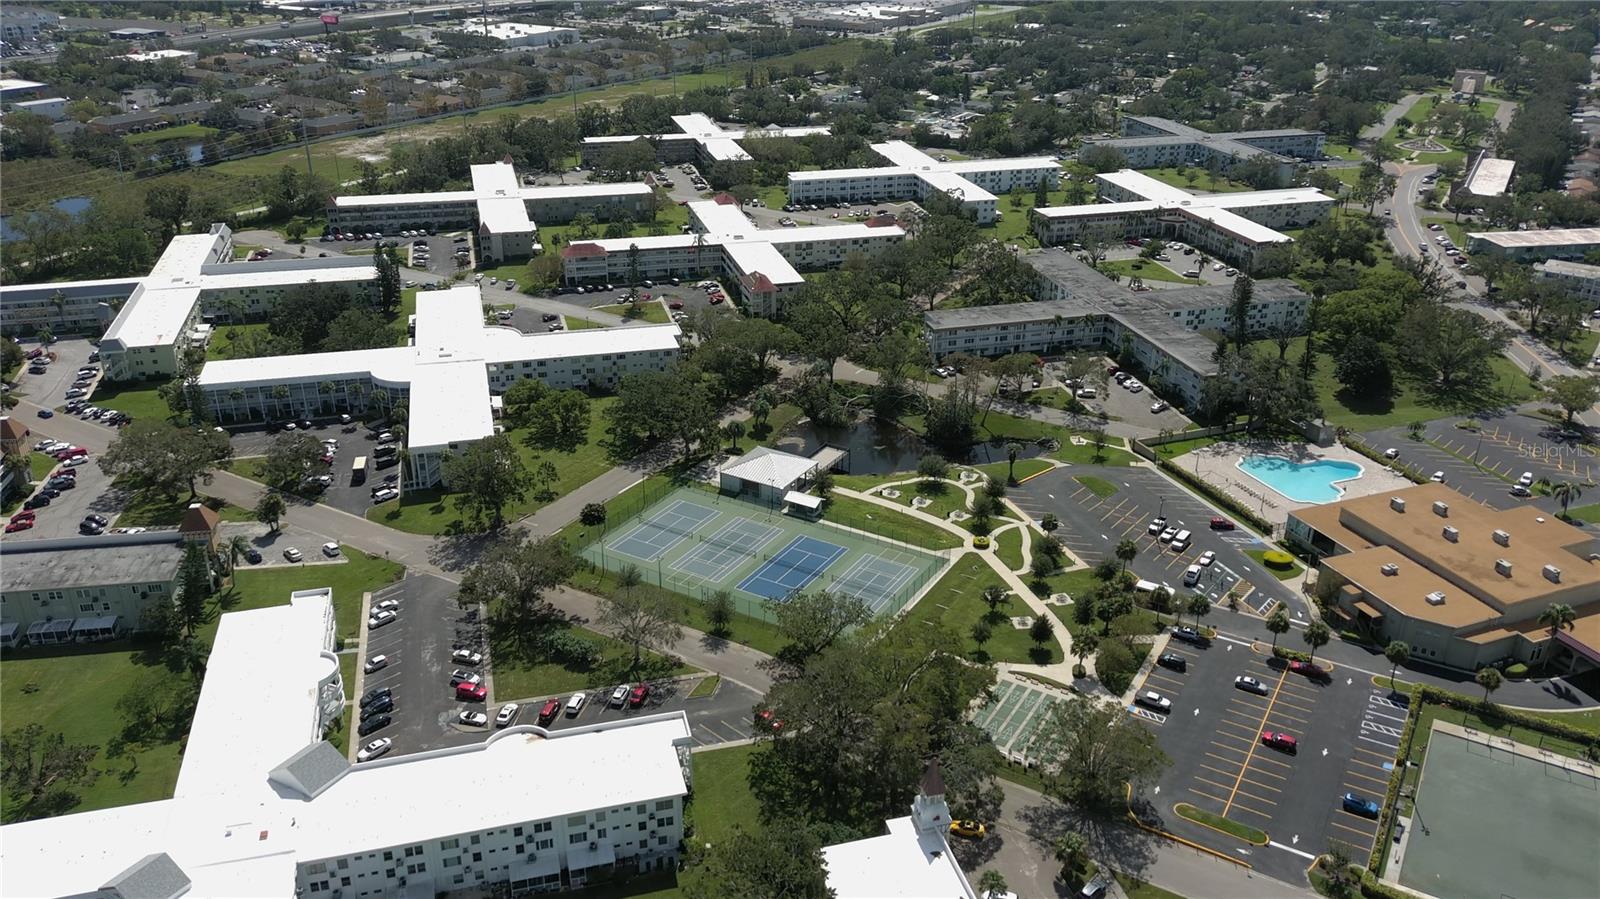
<point x="50" y="388"/>
<point x="1505" y="447"/>
<point x="693" y="298"/>
<point x="1346" y="729"/>
<point x="92" y="493"/>
<point x="345" y="493"/>
<point x="724" y="716"/>
<point x="1092" y="526"/>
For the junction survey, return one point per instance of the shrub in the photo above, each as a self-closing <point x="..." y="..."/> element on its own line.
<point x="1517" y="669"/>
<point x="592" y="514"/>
<point x="1290" y="655"/>
<point x="1277" y="558"/>
<point x="980" y="541"/>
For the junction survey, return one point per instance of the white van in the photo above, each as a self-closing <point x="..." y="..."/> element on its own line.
<point x="575" y="704"/>
<point x="1191" y="575"/>
<point x="1180" y="541"/>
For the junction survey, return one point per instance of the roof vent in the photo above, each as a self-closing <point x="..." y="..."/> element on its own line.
<point x="1451" y="534"/>
<point x="1552" y="574"/>
<point x="1397" y="504"/>
<point x="1441" y="508"/>
<point x="1390" y="569"/>
<point x="1502" y="567"/>
<point x="1502" y="537"/>
<point x="1436" y="598"/>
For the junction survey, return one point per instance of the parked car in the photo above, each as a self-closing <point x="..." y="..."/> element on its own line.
<point x="1189" y="635"/>
<point x="472" y="719"/>
<point x="1280" y="740"/>
<point x="1167" y="535"/>
<point x="379" y="619"/>
<point x="1150" y="699"/>
<point x="1359" y="805"/>
<point x="331" y="550"/>
<point x="508" y="714"/>
<point x="1311" y="670"/>
<point x="1173" y="661"/>
<point x="1251" y="685"/>
<point x="1157" y="526"/>
<point x="467" y="657"/>
<point x="22" y="525"/>
<point x="1219" y="523"/>
<point x="1206" y="558"/>
<point x="375" y="723"/>
<point x="575" y="704"/>
<point x="638" y="695"/>
<point x="619" y="696"/>
<point x="378" y="707"/>
<point x="472" y="692"/>
<point x="549" y="711"/>
<point x="253" y="556"/>
<point x="376" y="662"/>
<point x="293" y="555"/>
<point x="376" y="747"/>
<point x="972" y="830"/>
<point x="463" y="676"/>
<point x="768" y="720"/>
<point x="375" y="694"/>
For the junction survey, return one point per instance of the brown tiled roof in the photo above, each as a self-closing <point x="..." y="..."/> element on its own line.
<point x="582" y="250"/>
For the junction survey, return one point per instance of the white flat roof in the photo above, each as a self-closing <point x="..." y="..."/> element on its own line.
<point x="449" y="403"/>
<point x="840" y="174"/>
<point x="1093" y="209"/>
<point x="435" y="198"/>
<point x="581" y="191"/>
<point x="247" y="723"/>
<point x="697" y="124"/>
<point x="247" y="274"/>
<point x="770" y="467"/>
<point x="901" y="864"/>
<point x="504" y="215"/>
<point x="1491" y="177"/>
<point x="393" y="366"/>
<point x="503" y="345"/>
<point x="723" y="149"/>
<point x="1147" y="187"/>
<point x="1552" y="237"/>
<point x="152" y="317"/>
<point x="1012" y="163"/>
<point x="1250" y="199"/>
<point x="17" y="84"/>
<point x="828" y="233"/>
<point x="949" y="182"/>
<point x="900" y="153"/>
<point x="721" y="218"/>
<point x="1235" y="224"/>
<point x="750" y="257"/>
<point x="494" y="178"/>
<point x="658" y="242"/>
<point x="1568" y="268"/>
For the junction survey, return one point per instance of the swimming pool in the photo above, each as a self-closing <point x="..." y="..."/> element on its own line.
<point x="1302" y="482"/>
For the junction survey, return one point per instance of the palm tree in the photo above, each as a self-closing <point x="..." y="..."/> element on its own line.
<point x="237" y="547"/>
<point x="1278" y="623"/>
<point x="993" y="883"/>
<point x="1398" y="652"/>
<point x="1199" y="607"/>
<point x="1558" y="616"/>
<point x="1013" y="449"/>
<point x="1316" y="636"/>
<point x="1126" y="552"/>
<point x="1490" y="680"/>
<point x="1566" y="493"/>
<point x="1071" y="849"/>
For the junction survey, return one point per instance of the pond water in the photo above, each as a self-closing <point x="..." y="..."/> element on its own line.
<point x="73" y="206"/>
<point x="876" y="448"/>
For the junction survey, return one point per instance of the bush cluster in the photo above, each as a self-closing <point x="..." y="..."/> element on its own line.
<point x="1234" y="507"/>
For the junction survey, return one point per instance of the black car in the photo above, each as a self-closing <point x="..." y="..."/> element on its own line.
<point x="305" y="424"/>
<point x="252" y="556"/>
<point x="378" y="707"/>
<point x="50" y="492"/>
<point x="375" y="694"/>
<point x="1174" y="661"/>
<point x="62" y="483"/>
<point x="90" y="529"/>
<point x="97" y="519"/>
<point x="1189" y="635"/>
<point x="549" y="317"/>
<point x="375" y="723"/>
<point x="36" y="502"/>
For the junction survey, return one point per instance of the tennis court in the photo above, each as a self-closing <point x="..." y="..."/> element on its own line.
<point x="1492" y="823"/>
<point x="696" y="542"/>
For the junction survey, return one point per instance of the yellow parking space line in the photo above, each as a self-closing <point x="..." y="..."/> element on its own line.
<point x="1231" y="773"/>
<point x="1377" y="780"/>
<point x="1388" y="757"/>
<point x="1225" y="761"/>
<point x="1299" y="708"/>
<point x="1156" y="675"/>
<point x="1210" y="783"/>
<point x="1244" y="700"/>
<point x="1181" y="649"/>
<point x="1198" y="793"/>
<point x="1079" y="492"/>
<point x="1278" y="715"/>
<point x="1247" y="728"/>
<point x="1301" y="692"/>
<point x="1341" y="814"/>
<point x="1244" y="807"/>
<point x="1261" y="786"/>
<point x="1355" y="761"/>
<point x="1366" y="833"/>
<point x="1254" y="770"/>
<point x="1227" y="748"/>
<point x="1244" y="792"/>
<point x="1252" y="752"/>
<point x="1360" y="788"/>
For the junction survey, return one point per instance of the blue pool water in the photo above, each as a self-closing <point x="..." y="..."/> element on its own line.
<point x="1302" y="482"/>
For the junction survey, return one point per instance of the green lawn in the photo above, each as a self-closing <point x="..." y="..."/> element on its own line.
<point x="255" y="588"/>
<point x="754" y="632"/>
<point x="151" y="509"/>
<point x="1226" y="825"/>
<point x="1008" y="547"/>
<point x="1147" y="270"/>
<point x="579" y="324"/>
<point x="778" y="420"/>
<point x="722" y="796"/>
<point x="654" y="312"/>
<point x="1180" y="447"/>
<point x="1098" y="486"/>
<point x="433" y="512"/>
<point x="137" y="398"/>
<point x="1342" y="151"/>
<point x="519" y="678"/>
<point x="1586" y="514"/>
<point x="1456" y="233"/>
<point x="72" y="691"/>
<point x="1407" y="403"/>
<point x="41" y="465"/>
<point x="706" y="686"/>
<point x="956" y="601"/>
<point x="191" y="131"/>
<point x="873" y="518"/>
<point x="1025" y="468"/>
<point x="1196" y="178"/>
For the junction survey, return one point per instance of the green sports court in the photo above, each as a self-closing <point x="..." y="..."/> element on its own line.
<point x="1014" y="715"/>
<point x="1492" y="823"/>
<point x="696" y="541"/>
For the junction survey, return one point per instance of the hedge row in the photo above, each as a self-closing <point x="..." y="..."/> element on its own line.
<point x="1514" y="716"/>
<point x="1233" y="506"/>
<point x="1397" y="779"/>
<point x="1290" y="655"/>
<point x="1408" y="472"/>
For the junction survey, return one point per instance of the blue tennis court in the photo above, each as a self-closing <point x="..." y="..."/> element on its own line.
<point x="796" y="565"/>
<point x="717" y="555"/>
<point x="650" y="539"/>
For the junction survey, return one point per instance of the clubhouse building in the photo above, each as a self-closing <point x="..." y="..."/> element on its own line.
<point x="1463" y="584"/>
<point x="914" y="175"/>
<point x="1237" y="227"/>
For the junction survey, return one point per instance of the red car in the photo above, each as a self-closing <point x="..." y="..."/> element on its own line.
<point x="1309" y="669"/>
<point x="471" y="692"/>
<point x="766" y="720"/>
<point x="716" y="298"/>
<point x="71" y="452"/>
<point x="35" y="353"/>
<point x="675" y="304"/>
<point x="1280" y="740"/>
<point x="24" y="515"/>
<point x="22" y="525"/>
<point x="1221" y="524"/>
<point x="638" y="695"/>
<point x="549" y="711"/>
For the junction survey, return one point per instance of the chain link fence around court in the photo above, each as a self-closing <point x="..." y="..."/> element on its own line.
<point x="749" y="549"/>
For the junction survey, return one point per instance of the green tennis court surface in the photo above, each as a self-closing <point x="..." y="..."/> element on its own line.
<point x="1492" y="824"/>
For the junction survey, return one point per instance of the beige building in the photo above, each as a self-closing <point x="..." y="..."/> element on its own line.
<point x="1463" y="584"/>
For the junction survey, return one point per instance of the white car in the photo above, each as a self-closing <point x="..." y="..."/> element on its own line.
<point x="384" y="495"/>
<point x="472" y="719"/>
<point x="1157" y="526"/>
<point x="293" y="555"/>
<point x="1217" y="266"/>
<point x="375" y="662"/>
<point x="575" y="704"/>
<point x="331" y="550"/>
<point x="1526" y="480"/>
<point x="75" y="461"/>
<point x="1150" y="699"/>
<point x="467" y="657"/>
<point x="1133" y="386"/>
<point x="508" y="714"/>
<point x="1251" y="685"/>
<point x="1391" y="454"/>
<point x="374" y="749"/>
<point x="1206" y="558"/>
<point x="1167" y="535"/>
<point x="1437" y="478"/>
<point x="619" y="696"/>
<point x="387" y="605"/>
<point x="1159" y="406"/>
<point x="379" y="619"/>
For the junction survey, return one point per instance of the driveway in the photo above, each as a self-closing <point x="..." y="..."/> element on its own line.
<point x="349" y="492"/>
<point x="723" y="717"/>
<point x="93" y="493"/>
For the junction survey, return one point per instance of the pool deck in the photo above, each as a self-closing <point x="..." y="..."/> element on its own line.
<point x="1218" y="464"/>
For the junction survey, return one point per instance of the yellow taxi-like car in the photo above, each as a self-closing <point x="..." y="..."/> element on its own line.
<point x="971" y="829"/>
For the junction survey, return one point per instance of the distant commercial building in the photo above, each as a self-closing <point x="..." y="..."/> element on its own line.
<point x="52" y="108"/>
<point x="1463" y="584"/>
<point x="14" y="89"/>
<point x="699" y="140"/>
<point x="182" y="57"/>
<point x="445" y="378"/>
<point x="193" y="283"/>
<point x="517" y="35"/>
<point x="338" y="123"/>
<point x="275" y="810"/>
<point x="151" y="119"/>
<point x="871" y="18"/>
<point x="651" y="12"/>
<point x="915" y="175"/>
<point x="1533" y="246"/>
<point x="1234" y="226"/>
<point x="1153" y="142"/>
<point x="117" y="576"/>
<point x="399" y="59"/>
<point x="1469" y="81"/>
<point x="1580" y="280"/>
<point x="497" y="206"/>
<point x="1488" y="176"/>
<point x="763" y="264"/>
<point x="136" y="34"/>
<point x="24" y="24"/>
<point x="1078" y="308"/>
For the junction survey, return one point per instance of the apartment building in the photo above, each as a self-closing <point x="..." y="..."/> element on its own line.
<point x="1154" y="142"/>
<point x="446" y="377"/>
<point x="1237" y="227"/>
<point x="264" y="806"/>
<point x="1460" y="582"/>
<point x="698" y="139"/>
<point x="912" y="858"/>
<point x="762" y="264"/>
<point x="115" y="576"/>
<point x="914" y="175"/>
<point x="1078" y="308"/>
<point x="497" y="207"/>
<point x="1580" y="280"/>
<point x="1535" y="246"/>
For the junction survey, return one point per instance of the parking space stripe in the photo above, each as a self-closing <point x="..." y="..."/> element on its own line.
<point x="1376" y="780"/>
<point x="1267" y="816"/>
<point x="1252" y="752"/>
<point x="1211" y="783"/>
<point x="1390" y="746"/>
<point x="1225" y="749"/>
<point x="1271" y="802"/>
<point x="1262" y="785"/>
<point x="1220" y="771"/>
<point x="1368" y="834"/>
<point x="1157" y="675"/>
<point x="1207" y="795"/>
<point x="1258" y="771"/>
<point x="1356" y="761"/>
<point x="1387" y="757"/>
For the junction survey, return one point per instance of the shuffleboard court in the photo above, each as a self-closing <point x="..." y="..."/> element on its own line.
<point x="796" y="565"/>
<point x="718" y="554"/>
<point x="651" y="538"/>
